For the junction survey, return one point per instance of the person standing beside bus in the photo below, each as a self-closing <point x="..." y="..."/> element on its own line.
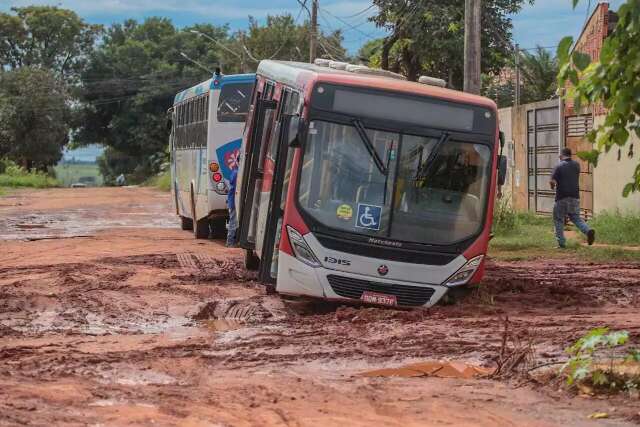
<point x="232" y="225"/>
<point x="566" y="181"/>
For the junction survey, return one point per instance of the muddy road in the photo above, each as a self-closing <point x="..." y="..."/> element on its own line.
<point x="112" y="316"/>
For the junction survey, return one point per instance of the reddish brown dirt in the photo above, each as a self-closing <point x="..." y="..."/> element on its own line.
<point x="110" y="315"/>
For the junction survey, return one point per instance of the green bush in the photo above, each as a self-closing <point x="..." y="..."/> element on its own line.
<point x="162" y="181"/>
<point x="617" y="228"/>
<point x="505" y="218"/>
<point x="16" y="176"/>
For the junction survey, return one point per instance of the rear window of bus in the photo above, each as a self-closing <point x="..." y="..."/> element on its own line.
<point x="234" y="102"/>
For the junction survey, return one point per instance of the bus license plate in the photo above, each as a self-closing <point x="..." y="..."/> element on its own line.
<point x="376" y="298"/>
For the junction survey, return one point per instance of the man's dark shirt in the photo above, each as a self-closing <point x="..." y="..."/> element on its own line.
<point x="567" y="177"/>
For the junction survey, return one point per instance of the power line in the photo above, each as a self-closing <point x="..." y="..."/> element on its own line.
<point x="360" y="13"/>
<point x="352" y="27"/>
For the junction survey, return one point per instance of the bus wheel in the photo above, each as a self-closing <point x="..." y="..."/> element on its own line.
<point x="219" y="228"/>
<point x="456" y="295"/>
<point x="251" y="261"/>
<point x="186" y="223"/>
<point x="201" y="229"/>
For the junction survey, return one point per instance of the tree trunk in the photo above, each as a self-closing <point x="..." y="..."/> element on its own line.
<point x="411" y="64"/>
<point x="386" y="49"/>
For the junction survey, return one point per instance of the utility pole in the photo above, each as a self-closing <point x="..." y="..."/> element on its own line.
<point x="314" y="31"/>
<point x="472" y="46"/>
<point x="517" y="62"/>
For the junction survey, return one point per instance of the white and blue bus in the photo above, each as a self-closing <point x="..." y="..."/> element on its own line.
<point x="207" y="121"/>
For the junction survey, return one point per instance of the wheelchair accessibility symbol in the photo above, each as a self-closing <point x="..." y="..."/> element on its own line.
<point x="369" y="217"/>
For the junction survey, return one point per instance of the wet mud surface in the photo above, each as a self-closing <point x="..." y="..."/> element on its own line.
<point x="140" y="324"/>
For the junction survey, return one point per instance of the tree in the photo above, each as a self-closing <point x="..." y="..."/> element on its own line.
<point x="130" y="82"/>
<point x="614" y="81"/>
<point x="47" y="37"/>
<point x="34" y="116"/>
<point x="539" y="75"/>
<point x="281" y="38"/>
<point x="133" y="76"/>
<point x="427" y="36"/>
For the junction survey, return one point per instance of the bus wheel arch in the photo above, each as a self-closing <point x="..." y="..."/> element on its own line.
<point x="200" y="227"/>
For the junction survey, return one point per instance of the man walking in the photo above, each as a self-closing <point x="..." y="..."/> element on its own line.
<point x="232" y="225"/>
<point x="566" y="181"/>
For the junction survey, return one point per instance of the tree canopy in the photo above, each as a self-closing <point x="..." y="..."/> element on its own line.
<point x="131" y="78"/>
<point x="34" y="117"/>
<point x="47" y="37"/>
<point x="427" y="37"/>
<point x="538" y="75"/>
<point x="614" y="81"/>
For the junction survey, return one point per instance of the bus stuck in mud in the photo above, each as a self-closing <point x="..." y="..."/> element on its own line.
<point x="358" y="185"/>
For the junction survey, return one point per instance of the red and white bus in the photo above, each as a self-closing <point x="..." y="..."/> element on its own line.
<point x="358" y="185"/>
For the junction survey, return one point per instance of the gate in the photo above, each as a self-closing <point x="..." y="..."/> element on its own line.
<point x="542" y="155"/>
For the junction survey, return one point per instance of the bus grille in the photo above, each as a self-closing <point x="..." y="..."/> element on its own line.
<point x="349" y="287"/>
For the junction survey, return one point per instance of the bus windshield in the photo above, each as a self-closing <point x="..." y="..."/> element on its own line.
<point x="429" y="190"/>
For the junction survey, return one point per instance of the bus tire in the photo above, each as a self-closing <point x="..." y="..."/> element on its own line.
<point x="251" y="261"/>
<point x="186" y="223"/>
<point x="219" y="228"/>
<point x="456" y="295"/>
<point x="201" y="229"/>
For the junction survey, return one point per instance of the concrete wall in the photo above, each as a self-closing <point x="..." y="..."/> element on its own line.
<point x="504" y="119"/>
<point x="611" y="174"/>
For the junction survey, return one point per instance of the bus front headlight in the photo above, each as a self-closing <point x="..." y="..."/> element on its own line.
<point x="462" y="276"/>
<point x="301" y="249"/>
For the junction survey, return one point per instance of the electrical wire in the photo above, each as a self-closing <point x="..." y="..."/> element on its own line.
<point x="359" y="13"/>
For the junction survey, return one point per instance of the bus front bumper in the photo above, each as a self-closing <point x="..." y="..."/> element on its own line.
<point x="298" y="278"/>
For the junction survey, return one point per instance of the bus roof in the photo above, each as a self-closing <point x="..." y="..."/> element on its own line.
<point x="300" y="75"/>
<point x="213" y="84"/>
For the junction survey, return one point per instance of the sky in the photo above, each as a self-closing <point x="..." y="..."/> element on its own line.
<point x="544" y="23"/>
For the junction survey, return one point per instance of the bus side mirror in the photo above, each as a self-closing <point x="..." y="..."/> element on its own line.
<point x="501" y="137"/>
<point x="169" y="125"/>
<point x="296" y="130"/>
<point x="502" y="170"/>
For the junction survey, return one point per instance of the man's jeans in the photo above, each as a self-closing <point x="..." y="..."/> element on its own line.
<point x="567" y="207"/>
<point x="232" y="227"/>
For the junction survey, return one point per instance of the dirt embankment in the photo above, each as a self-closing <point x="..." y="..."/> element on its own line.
<point x="138" y="323"/>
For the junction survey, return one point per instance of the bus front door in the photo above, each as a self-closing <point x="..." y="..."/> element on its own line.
<point x="253" y="174"/>
<point x="267" y="183"/>
<point x="278" y="171"/>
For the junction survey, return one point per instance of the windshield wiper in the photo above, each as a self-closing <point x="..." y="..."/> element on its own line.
<point x="369" y="146"/>
<point x="433" y="154"/>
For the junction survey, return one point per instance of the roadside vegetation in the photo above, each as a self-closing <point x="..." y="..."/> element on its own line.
<point x="603" y="362"/>
<point x="162" y="181"/>
<point x="14" y="176"/>
<point x="523" y="235"/>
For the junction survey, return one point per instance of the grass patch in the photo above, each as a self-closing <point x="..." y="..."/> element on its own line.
<point x="162" y="181"/>
<point x="617" y="228"/>
<point x="18" y="177"/>
<point x="533" y="237"/>
<point x="14" y="176"/>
